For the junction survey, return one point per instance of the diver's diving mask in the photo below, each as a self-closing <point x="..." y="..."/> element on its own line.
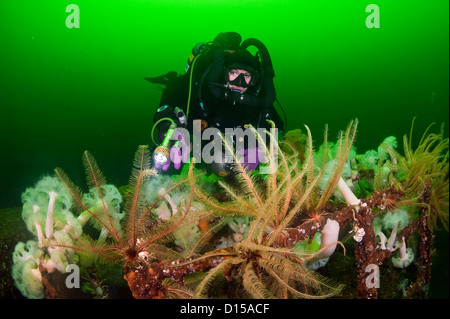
<point x="242" y="80"/>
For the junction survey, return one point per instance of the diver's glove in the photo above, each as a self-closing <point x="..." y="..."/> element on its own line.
<point x="176" y="153"/>
<point x="251" y="157"/>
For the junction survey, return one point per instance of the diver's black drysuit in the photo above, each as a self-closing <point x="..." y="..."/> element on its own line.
<point x="211" y="100"/>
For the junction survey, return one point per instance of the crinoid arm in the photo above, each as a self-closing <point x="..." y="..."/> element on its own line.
<point x="345" y="142"/>
<point x="133" y="207"/>
<point x="96" y="181"/>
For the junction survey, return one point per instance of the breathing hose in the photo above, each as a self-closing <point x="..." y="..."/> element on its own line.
<point x="157" y="122"/>
<point x="261" y="47"/>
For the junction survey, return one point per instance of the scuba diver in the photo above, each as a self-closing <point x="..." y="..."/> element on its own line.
<point x="224" y="86"/>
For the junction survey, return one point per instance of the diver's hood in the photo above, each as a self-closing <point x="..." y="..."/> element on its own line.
<point x="242" y="60"/>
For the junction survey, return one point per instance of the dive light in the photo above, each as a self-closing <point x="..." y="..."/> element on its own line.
<point x="162" y="153"/>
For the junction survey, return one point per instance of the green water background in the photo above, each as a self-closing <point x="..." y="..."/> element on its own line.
<point x="66" y="90"/>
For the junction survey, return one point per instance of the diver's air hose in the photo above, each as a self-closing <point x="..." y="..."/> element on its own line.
<point x="260" y="46"/>
<point x="187" y="107"/>
<point x="157" y="122"/>
<point x="265" y="59"/>
<point x="190" y="86"/>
